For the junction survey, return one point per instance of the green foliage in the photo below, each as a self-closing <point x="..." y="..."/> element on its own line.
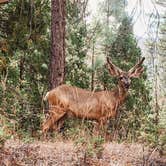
<point x="161" y="67"/>
<point x="5" y="130"/>
<point x="158" y="72"/>
<point x="25" y="48"/>
<point x="75" y="128"/>
<point x="93" y="147"/>
<point x="76" y="67"/>
<point x="3" y="138"/>
<point x="161" y="81"/>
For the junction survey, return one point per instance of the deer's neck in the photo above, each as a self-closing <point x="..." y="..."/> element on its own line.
<point x="122" y="93"/>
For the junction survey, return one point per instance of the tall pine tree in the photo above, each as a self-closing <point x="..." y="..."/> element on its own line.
<point x="57" y="58"/>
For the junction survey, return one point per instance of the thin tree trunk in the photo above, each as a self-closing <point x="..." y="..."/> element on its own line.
<point x="22" y="60"/>
<point x="57" y="57"/>
<point x="156" y="97"/>
<point x="106" y="44"/>
<point x="93" y="73"/>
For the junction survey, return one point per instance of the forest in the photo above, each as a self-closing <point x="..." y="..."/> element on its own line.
<point x="83" y="82"/>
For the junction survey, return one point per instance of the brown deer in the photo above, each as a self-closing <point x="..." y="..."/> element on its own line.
<point x="3" y="1"/>
<point x="100" y="106"/>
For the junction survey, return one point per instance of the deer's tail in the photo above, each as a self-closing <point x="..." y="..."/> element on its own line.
<point x="46" y="96"/>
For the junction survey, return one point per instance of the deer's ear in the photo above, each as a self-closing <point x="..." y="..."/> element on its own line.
<point x="137" y="70"/>
<point x="113" y="70"/>
<point x="137" y="73"/>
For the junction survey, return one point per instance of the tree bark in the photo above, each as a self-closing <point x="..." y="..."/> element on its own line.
<point x="93" y="73"/>
<point x="21" y="66"/>
<point x="57" y="57"/>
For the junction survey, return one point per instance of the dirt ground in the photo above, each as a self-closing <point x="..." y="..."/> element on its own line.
<point x="18" y="153"/>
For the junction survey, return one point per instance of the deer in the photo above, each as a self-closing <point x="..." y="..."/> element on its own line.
<point x="80" y="103"/>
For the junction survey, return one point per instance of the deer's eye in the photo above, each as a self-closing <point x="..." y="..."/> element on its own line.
<point x="121" y="78"/>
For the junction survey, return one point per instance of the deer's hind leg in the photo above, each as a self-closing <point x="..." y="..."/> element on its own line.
<point x="55" y="114"/>
<point x="60" y="123"/>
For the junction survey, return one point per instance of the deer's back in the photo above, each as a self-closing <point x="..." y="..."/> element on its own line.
<point x="66" y="95"/>
<point x="75" y="99"/>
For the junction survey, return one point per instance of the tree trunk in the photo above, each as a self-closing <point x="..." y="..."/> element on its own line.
<point x="57" y="57"/>
<point x="106" y="44"/>
<point x="22" y="61"/>
<point x="93" y="73"/>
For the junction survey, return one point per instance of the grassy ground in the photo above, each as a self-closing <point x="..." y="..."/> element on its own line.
<point x="69" y="153"/>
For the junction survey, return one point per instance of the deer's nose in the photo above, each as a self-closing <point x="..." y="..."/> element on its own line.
<point x="127" y="85"/>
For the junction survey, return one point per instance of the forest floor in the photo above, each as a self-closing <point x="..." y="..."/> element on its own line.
<point x="67" y="153"/>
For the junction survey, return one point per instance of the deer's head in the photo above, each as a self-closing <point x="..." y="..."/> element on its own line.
<point x="125" y="77"/>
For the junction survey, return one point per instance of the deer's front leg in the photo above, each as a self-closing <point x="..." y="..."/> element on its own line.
<point x="102" y="123"/>
<point x="99" y="126"/>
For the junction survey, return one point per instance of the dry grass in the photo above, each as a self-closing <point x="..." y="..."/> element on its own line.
<point x="61" y="153"/>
